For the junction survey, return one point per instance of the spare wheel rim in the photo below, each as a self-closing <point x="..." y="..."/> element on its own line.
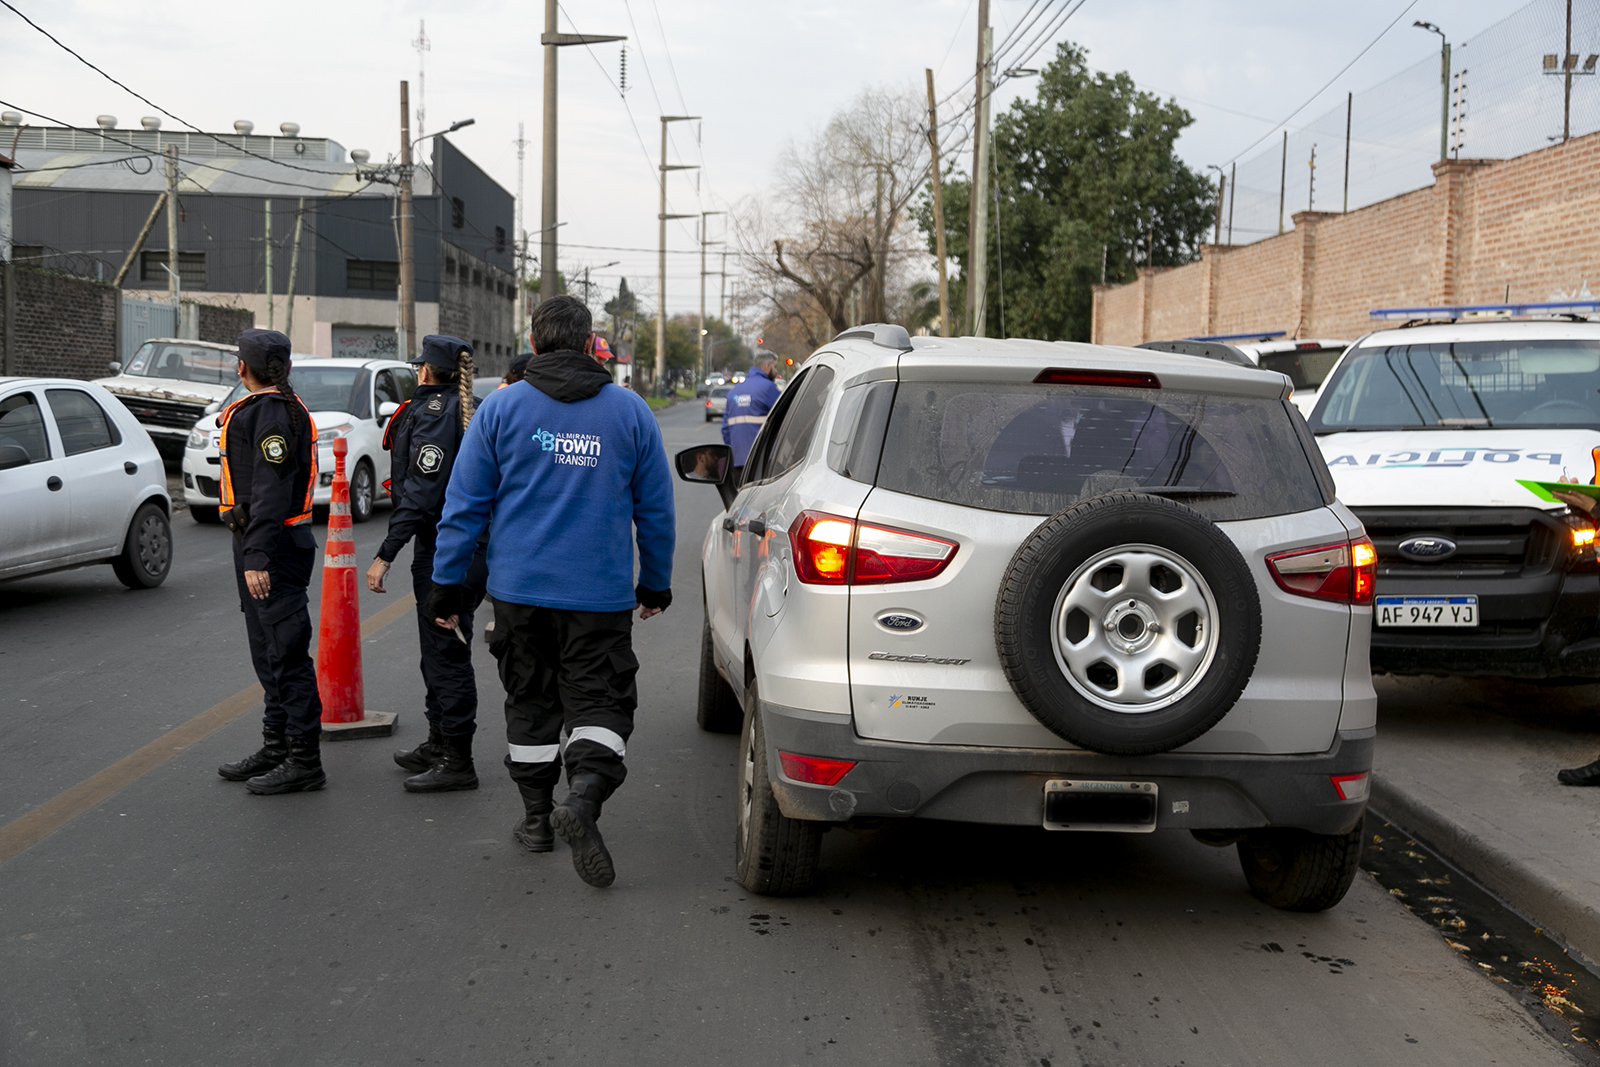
<point x="1135" y="628"/>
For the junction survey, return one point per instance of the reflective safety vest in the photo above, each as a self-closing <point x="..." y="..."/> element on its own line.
<point x="304" y="515"/>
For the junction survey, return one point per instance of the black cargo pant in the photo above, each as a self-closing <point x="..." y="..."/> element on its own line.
<point x="565" y="668"/>
<point x="451" y="700"/>
<point x="279" y="628"/>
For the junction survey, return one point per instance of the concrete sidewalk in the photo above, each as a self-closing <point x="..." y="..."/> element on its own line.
<point x="1469" y="766"/>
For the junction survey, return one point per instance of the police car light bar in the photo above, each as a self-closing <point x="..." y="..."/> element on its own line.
<point x="1457" y="311"/>
<point x="1259" y="335"/>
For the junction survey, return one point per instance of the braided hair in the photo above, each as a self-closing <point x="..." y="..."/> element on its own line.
<point x="276" y="375"/>
<point x="464" y="385"/>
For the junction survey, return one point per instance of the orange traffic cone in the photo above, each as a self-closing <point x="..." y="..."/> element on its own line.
<point x="339" y="628"/>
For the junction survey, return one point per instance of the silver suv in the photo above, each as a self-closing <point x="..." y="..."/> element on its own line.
<point x="1046" y="584"/>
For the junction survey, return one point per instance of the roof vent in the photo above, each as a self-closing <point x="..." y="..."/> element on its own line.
<point x="359" y="155"/>
<point x="243" y="127"/>
<point x="10" y="118"/>
<point x="150" y="122"/>
<point x="106" y="122"/>
<point x="289" y="129"/>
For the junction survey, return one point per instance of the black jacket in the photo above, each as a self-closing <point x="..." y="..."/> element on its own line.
<point x="271" y="456"/>
<point x="423" y="438"/>
<point x="566" y="375"/>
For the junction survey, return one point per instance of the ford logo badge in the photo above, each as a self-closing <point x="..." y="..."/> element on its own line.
<point x="1427" y="549"/>
<point x="899" y="621"/>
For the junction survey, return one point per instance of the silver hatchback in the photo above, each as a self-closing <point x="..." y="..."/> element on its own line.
<point x="1048" y="584"/>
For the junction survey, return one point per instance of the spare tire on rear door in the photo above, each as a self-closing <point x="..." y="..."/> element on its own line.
<point x="1128" y="624"/>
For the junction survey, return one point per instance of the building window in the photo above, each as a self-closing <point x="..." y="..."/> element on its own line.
<point x="499" y="238"/>
<point x="450" y="266"/>
<point x="458" y="212"/>
<point x="191" y="269"/>
<point x="379" y="275"/>
<point x="477" y="277"/>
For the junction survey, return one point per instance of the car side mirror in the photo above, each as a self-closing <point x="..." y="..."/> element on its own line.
<point x="213" y="407"/>
<point x="387" y="408"/>
<point x="116" y="368"/>
<point x="12" y="456"/>
<point x="709" y="465"/>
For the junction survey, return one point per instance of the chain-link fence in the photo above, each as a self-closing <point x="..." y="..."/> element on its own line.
<point x="1503" y="102"/>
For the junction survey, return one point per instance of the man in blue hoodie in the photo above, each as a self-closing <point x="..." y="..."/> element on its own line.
<point x="569" y="466"/>
<point x="748" y="404"/>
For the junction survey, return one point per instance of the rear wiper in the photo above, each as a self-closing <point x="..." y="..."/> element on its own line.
<point x="1178" y="490"/>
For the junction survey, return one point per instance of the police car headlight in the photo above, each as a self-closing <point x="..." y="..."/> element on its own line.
<point x="328" y="433"/>
<point x="198" y="438"/>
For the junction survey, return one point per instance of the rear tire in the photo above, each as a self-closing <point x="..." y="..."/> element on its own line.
<point x="774" y="855"/>
<point x="716" y="711"/>
<point x="1297" y="870"/>
<point x="204" y="514"/>
<point x="146" y="551"/>
<point x="361" y="492"/>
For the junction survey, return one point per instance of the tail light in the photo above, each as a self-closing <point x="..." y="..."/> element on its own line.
<point x="829" y="550"/>
<point x="1346" y="572"/>
<point x="814" y="769"/>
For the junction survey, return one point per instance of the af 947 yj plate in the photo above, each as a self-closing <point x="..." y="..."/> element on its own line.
<point x="1116" y="807"/>
<point x="1429" y="611"/>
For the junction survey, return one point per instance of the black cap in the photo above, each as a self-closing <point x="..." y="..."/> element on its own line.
<point x="441" y="350"/>
<point x="518" y="366"/>
<point x="256" y="346"/>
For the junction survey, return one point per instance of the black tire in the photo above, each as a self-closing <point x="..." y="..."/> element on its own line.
<point x="774" y="855"/>
<point x="204" y="514"/>
<point x="1297" y="870"/>
<point x="1207" y="664"/>
<point x="146" y="551"/>
<point x="362" y="490"/>
<point x="708" y="416"/>
<point x="717" y="710"/>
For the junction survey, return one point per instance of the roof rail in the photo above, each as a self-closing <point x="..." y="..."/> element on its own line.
<point x="1203" y="349"/>
<point x="882" y="334"/>
<point x="1259" y="335"/>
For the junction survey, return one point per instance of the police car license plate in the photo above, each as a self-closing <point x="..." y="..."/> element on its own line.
<point x="1432" y="611"/>
<point x="1121" y="807"/>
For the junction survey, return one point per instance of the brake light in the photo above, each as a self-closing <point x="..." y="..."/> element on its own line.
<point x="814" y="769"/>
<point x="1122" y="379"/>
<point x="1346" y="572"/>
<point x="829" y="550"/>
<point x="1349" y="786"/>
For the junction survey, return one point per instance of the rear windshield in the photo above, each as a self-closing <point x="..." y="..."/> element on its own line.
<point x="1035" y="449"/>
<point x="184" y="363"/>
<point x="1305" y="367"/>
<point x="1467" y="383"/>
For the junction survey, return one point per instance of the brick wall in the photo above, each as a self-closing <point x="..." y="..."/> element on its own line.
<point x="222" y="325"/>
<point x="1531" y="224"/>
<point x="65" y="327"/>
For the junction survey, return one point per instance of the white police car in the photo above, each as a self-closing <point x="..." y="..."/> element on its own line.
<point x="1430" y="430"/>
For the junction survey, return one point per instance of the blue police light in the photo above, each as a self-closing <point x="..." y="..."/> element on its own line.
<point x="1457" y="311"/>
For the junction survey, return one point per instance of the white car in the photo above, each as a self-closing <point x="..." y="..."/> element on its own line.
<point x="80" y="483"/>
<point x="717" y="402"/>
<point x="1046" y="584"/>
<point x="1306" y="362"/>
<point x="1434" y="433"/>
<point x="349" y="398"/>
<point x="169" y="383"/>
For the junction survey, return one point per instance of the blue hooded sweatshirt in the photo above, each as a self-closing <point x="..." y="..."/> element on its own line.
<point x="568" y="470"/>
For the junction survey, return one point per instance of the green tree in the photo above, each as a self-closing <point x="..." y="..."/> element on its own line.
<point x="681" y="351"/>
<point x="1086" y="170"/>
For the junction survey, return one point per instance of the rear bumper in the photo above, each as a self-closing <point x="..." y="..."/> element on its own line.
<point x="1006" y="785"/>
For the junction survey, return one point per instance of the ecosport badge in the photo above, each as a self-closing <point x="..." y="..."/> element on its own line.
<point x="1427" y="548"/>
<point x="917" y="657"/>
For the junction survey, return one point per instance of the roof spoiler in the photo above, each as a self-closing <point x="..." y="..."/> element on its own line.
<point x="882" y="334"/>
<point x="1204" y="349"/>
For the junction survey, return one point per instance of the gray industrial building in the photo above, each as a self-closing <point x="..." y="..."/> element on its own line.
<point x="86" y="194"/>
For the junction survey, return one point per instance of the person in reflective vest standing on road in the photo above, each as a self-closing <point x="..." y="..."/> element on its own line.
<point x="423" y="438"/>
<point x="748" y="404"/>
<point x="269" y="470"/>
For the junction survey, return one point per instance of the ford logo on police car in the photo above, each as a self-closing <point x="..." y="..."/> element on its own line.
<point x="902" y="621"/>
<point x="1427" y="548"/>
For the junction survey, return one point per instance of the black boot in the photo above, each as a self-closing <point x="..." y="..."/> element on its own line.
<point x="452" y="770"/>
<point x="274" y="750"/>
<point x="533" y="830"/>
<point x="575" y="820"/>
<point x="300" y="773"/>
<point x="1588" y="775"/>
<point x="424" y="755"/>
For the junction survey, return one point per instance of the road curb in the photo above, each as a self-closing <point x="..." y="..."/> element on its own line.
<point x="1543" y="900"/>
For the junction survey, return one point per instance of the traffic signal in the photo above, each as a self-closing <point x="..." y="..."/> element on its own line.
<point x="788" y="363"/>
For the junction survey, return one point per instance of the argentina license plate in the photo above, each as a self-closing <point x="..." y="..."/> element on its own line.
<point x="1429" y="611"/>
<point x="1082" y="804"/>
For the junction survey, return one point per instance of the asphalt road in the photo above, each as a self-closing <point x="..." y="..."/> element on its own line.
<point x="183" y="921"/>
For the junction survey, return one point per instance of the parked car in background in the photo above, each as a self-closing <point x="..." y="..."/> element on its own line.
<point x="1306" y="362"/>
<point x="168" y="383"/>
<point x="482" y="387"/>
<point x="717" y="402"/>
<point x="349" y="398"/>
<point x="80" y="483"/>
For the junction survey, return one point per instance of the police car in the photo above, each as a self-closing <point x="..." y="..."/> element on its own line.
<point x="349" y="398"/>
<point x="1438" y="434"/>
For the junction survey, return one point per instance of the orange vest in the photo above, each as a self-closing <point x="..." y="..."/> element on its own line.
<point x="304" y="515"/>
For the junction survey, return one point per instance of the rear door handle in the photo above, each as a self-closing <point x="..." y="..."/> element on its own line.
<point x="53" y="484"/>
<point x="131" y="467"/>
<point x="757" y="527"/>
<point x="728" y="524"/>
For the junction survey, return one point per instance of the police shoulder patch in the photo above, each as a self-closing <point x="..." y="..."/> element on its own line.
<point x="274" y="449"/>
<point x="429" y="459"/>
<point x="436" y="404"/>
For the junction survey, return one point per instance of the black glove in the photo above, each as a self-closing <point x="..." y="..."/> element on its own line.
<point x="651" y="598"/>
<point x="446" y="600"/>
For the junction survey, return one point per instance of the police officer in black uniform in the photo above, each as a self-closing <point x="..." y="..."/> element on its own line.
<point x="269" y="469"/>
<point x="423" y="438"/>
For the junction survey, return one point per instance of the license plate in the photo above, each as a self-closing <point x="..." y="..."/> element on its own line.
<point x="1120" y="807"/>
<point x="1430" y="611"/>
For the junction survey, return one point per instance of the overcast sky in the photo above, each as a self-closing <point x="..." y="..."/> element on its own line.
<point x="758" y="72"/>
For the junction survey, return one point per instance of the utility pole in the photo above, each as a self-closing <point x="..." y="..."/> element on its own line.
<point x="656" y="384"/>
<point x="722" y="297"/>
<point x="408" y="261"/>
<point x="700" y="335"/>
<point x="1222" y="193"/>
<point x="978" y="224"/>
<point x="1349" y="109"/>
<point x="938" y="209"/>
<point x="1444" y="86"/>
<point x="267" y="245"/>
<point x="423" y="47"/>
<point x="1568" y="61"/>
<point x="1283" y="179"/>
<point x="548" y="250"/>
<point x="520" y="305"/>
<point x="1233" y="185"/>
<point x="172" y="223"/>
<point x="294" y="267"/>
<point x="1311" y="191"/>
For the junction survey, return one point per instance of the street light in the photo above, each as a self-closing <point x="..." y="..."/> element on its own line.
<point x="1444" y="81"/>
